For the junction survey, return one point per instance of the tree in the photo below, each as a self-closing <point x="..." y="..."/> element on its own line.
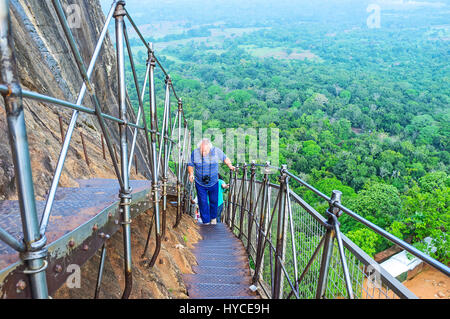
<point x="365" y="239"/>
<point x="378" y="202"/>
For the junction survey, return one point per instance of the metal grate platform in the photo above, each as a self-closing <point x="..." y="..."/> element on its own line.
<point x="222" y="271"/>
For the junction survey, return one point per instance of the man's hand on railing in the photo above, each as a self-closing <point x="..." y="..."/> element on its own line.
<point x="191" y="178"/>
<point x="227" y="162"/>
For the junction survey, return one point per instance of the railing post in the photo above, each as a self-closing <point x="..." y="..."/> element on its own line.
<point x="281" y="240"/>
<point x="327" y="249"/>
<point x="35" y="254"/>
<point x="235" y="194"/>
<point x="230" y="198"/>
<point x="178" y="218"/>
<point x="184" y="173"/>
<point x="250" y="210"/>
<point x="154" y="154"/>
<point x="262" y="224"/>
<point x="125" y="192"/>
<point x="334" y="213"/>
<point x="163" y="149"/>
<point x="243" y="199"/>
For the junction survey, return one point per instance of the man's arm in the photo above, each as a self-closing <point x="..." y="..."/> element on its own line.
<point x="227" y="162"/>
<point x="191" y="173"/>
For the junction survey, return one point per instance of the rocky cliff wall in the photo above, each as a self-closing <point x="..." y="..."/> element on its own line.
<point x="46" y="65"/>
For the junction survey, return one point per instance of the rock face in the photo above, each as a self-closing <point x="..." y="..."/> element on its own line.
<point x="163" y="280"/>
<point x="46" y="65"/>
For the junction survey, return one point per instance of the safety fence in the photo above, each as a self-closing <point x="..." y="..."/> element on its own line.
<point x="297" y="253"/>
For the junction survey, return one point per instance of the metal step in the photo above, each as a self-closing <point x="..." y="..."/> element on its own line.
<point x="215" y="290"/>
<point x="237" y="271"/>
<point x="207" y="278"/>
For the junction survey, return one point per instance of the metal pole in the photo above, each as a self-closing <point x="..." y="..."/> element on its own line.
<point x="100" y="272"/>
<point x="250" y="211"/>
<point x="262" y="221"/>
<point x="279" y="253"/>
<point x="125" y="192"/>
<point x="230" y="198"/>
<point x="178" y="219"/>
<point x="103" y="148"/>
<point x="243" y="200"/>
<point x="291" y="225"/>
<point x="165" y="115"/>
<point x="165" y="158"/>
<point x="334" y="213"/>
<point x="61" y="128"/>
<point x="84" y="149"/>
<point x="154" y="156"/>
<point x="235" y="195"/>
<point x="35" y="253"/>
<point x="327" y="249"/>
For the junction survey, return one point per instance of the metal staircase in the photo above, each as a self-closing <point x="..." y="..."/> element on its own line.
<point x="270" y="237"/>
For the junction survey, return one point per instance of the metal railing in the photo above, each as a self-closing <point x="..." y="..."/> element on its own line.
<point x="294" y="250"/>
<point x="297" y="253"/>
<point x="158" y="143"/>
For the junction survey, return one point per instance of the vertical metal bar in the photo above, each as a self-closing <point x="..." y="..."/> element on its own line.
<point x="334" y="212"/>
<point x="125" y="192"/>
<point x="35" y="253"/>
<point x="115" y="151"/>
<point x="279" y="253"/>
<point x="164" y="157"/>
<point x="291" y="225"/>
<point x="250" y="210"/>
<point x="103" y="148"/>
<point x="180" y="111"/>
<point x="100" y="272"/>
<point x="262" y="221"/>
<point x="235" y="195"/>
<point x="84" y="149"/>
<point x="165" y="115"/>
<point x="61" y="128"/>
<point x="243" y="200"/>
<point x="230" y="198"/>
<point x="325" y="263"/>
<point x="348" y="282"/>
<point x="154" y="154"/>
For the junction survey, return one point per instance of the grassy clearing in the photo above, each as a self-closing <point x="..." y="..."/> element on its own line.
<point x="280" y="53"/>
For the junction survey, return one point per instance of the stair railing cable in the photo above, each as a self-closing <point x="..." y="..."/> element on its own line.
<point x="295" y="251"/>
<point x="33" y="250"/>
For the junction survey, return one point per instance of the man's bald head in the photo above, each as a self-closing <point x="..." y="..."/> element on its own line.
<point x="205" y="146"/>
